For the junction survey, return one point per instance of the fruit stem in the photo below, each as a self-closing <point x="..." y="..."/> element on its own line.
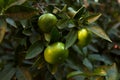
<point x="41" y="9"/>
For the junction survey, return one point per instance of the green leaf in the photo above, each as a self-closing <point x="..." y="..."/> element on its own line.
<point x="72" y="64"/>
<point x="23" y="74"/>
<point x="64" y="9"/>
<point x="27" y="32"/>
<point x="102" y="58"/>
<point x="99" y="32"/>
<point x="93" y="18"/>
<point x="7" y="73"/>
<point x="77" y="49"/>
<point x="114" y="51"/>
<point x="35" y="49"/>
<point x="97" y="72"/>
<point x="19" y="12"/>
<point x="20" y="75"/>
<point x="7" y="3"/>
<point x="71" y="38"/>
<point x="80" y="12"/>
<point x="92" y="48"/>
<point x="112" y="72"/>
<point x="88" y="64"/>
<point x="74" y="73"/>
<point x="65" y="23"/>
<point x="55" y="35"/>
<point x="62" y="15"/>
<point x="23" y="23"/>
<point x="18" y="2"/>
<point x="53" y="68"/>
<point x="35" y="37"/>
<point x="47" y="37"/>
<point x="62" y="24"/>
<point x="11" y="22"/>
<point x="3" y="26"/>
<point x="71" y="12"/>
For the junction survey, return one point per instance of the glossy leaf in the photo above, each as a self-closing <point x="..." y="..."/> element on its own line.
<point x="11" y="22"/>
<point x="117" y="52"/>
<point x="23" y="23"/>
<point x="5" y="4"/>
<point x="34" y="50"/>
<point x="99" y="32"/>
<point x="63" y="16"/>
<point x="3" y="26"/>
<point x="34" y="37"/>
<point x="19" y="12"/>
<point x="102" y="58"/>
<point x="53" y="68"/>
<point x="93" y="18"/>
<point x="77" y="49"/>
<point x="79" y="73"/>
<point x="47" y="37"/>
<point x="88" y="64"/>
<point x="75" y="73"/>
<point x="79" y="13"/>
<point x="62" y="24"/>
<point x="64" y="8"/>
<point x="71" y="12"/>
<point x="92" y="48"/>
<point x="20" y="75"/>
<point x="71" y="38"/>
<point x="65" y="23"/>
<point x="7" y="73"/>
<point x="27" y="32"/>
<point x="55" y="35"/>
<point x="18" y="2"/>
<point x="72" y="65"/>
<point x="23" y="74"/>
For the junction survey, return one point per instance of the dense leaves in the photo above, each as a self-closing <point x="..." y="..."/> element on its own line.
<point x="99" y="32"/>
<point x="71" y="38"/>
<point x="22" y="43"/>
<point x="35" y="49"/>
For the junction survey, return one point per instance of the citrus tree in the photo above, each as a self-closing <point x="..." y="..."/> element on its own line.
<point x="59" y="40"/>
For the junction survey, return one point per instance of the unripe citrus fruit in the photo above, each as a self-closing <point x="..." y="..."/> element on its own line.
<point x="84" y="37"/>
<point x="55" y="53"/>
<point x="46" y="22"/>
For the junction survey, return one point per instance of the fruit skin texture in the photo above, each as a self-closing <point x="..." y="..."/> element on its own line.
<point x="84" y="37"/>
<point x="46" y="22"/>
<point x="55" y="53"/>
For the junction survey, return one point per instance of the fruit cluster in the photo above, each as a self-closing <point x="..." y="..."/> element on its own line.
<point x="56" y="52"/>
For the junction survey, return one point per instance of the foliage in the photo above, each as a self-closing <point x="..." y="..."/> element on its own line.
<point x="22" y="43"/>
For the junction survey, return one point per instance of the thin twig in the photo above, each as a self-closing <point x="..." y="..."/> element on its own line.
<point x="40" y="8"/>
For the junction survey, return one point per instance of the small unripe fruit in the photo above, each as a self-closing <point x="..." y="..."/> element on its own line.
<point x="55" y="53"/>
<point x="46" y="22"/>
<point x="84" y="37"/>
